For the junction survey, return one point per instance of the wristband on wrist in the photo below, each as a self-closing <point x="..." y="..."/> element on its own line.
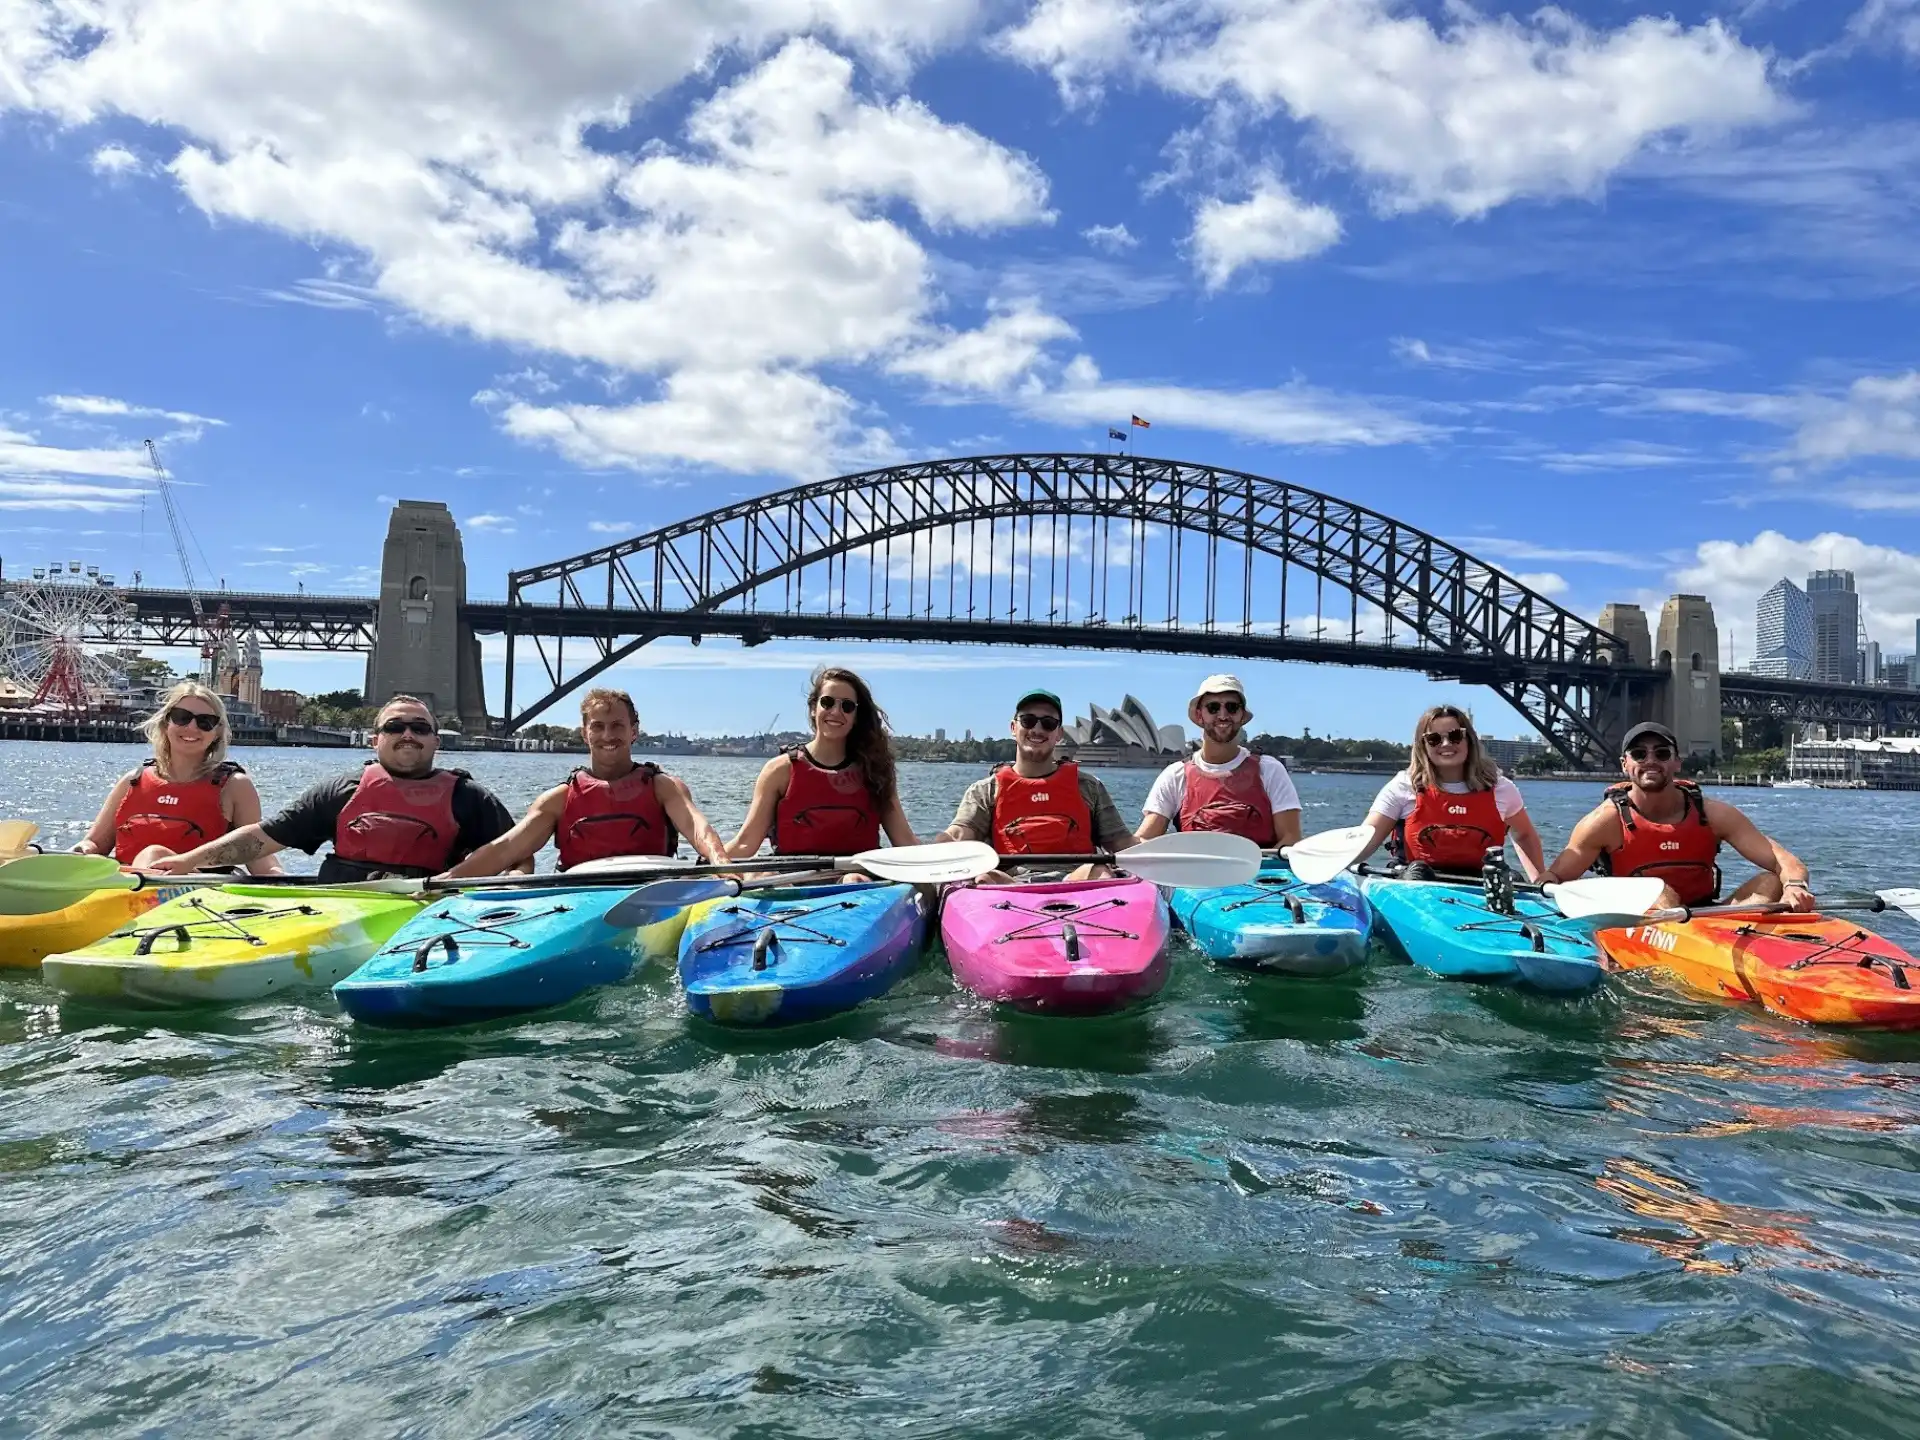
<point x="1800" y="884"/>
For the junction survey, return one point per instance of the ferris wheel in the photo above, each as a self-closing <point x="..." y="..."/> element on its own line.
<point x="45" y="629"/>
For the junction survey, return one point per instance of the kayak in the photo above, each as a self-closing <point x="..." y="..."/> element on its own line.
<point x="236" y="942"/>
<point x="1448" y="928"/>
<point x="1278" y="923"/>
<point x="1067" y="947"/>
<point x="26" y="940"/>
<point x="486" y="953"/>
<point x="1815" y="968"/>
<point x="797" y="953"/>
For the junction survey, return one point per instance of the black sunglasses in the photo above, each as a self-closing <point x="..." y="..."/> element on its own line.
<point x="404" y="727"/>
<point x="827" y="702"/>
<point x="1436" y="738"/>
<point x="184" y="718"/>
<point x="1044" y="723"/>
<point x="1650" y="752"/>
<point x="1222" y="707"/>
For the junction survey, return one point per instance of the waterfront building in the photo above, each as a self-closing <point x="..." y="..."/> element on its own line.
<point x="1836" y="625"/>
<point x="1508" y="754"/>
<point x="1783" y="633"/>
<point x="1889" y="763"/>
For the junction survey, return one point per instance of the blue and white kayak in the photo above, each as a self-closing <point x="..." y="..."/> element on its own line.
<point x="1279" y="923"/>
<point x="1448" y="928"/>
<point x="486" y="953"/>
<point x="780" y="957"/>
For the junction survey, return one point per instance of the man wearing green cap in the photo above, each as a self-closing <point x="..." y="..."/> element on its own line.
<point x="1039" y="805"/>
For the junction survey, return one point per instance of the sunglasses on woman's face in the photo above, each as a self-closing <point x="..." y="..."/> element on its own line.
<point x="1436" y="738"/>
<point x="827" y="702"/>
<point x="1046" y="724"/>
<point x="1222" y="707"/>
<point x="183" y="717"/>
<point x="406" y="727"/>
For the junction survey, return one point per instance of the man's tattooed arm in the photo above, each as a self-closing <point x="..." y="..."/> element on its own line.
<point x="242" y="847"/>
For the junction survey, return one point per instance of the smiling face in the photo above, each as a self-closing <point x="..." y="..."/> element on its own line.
<point x="1221" y="715"/>
<point x="1036" y="731"/>
<point x="1651" y="764"/>
<point x="609" y="732"/>
<point x="405" y="737"/>
<point x="187" y="741"/>
<point x="834" y="709"/>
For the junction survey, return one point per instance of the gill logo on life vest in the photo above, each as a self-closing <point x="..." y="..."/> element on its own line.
<point x="1456" y="809"/>
<point x="1040" y="795"/>
<point x="1669" y="844"/>
<point x="166" y="799"/>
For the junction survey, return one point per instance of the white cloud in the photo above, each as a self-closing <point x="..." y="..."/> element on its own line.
<point x="501" y="524"/>
<point x="1892" y="24"/>
<point x="1733" y="575"/>
<point x="101" y="406"/>
<point x="1114" y="239"/>
<point x="1878" y="416"/>
<point x="1464" y="117"/>
<point x="1010" y="346"/>
<point x="1545" y="582"/>
<point x="35" y="492"/>
<point x="23" y="454"/>
<point x="612" y="527"/>
<point x="116" y="160"/>
<point x="445" y="166"/>
<point x="1271" y="225"/>
<point x="1500" y="547"/>
<point x="1286" y="415"/>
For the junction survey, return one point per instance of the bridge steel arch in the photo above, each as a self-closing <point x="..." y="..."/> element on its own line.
<point x="1114" y="552"/>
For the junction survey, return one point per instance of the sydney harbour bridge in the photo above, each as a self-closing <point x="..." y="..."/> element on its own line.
<point x="1068" y="551"/>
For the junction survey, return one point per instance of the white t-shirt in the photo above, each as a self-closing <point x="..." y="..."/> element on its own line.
<point x="1171" y="788"/>
<point x="1396" y="797"/>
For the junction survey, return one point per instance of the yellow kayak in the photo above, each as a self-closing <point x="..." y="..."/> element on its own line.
<point x="236" y="942"/>
<point x="26" y="940"/>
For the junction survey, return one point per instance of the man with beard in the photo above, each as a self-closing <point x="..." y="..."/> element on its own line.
<point x="397" y="816"/>
<point x="1224" y="786"/>
<point x="1655" y="823"/>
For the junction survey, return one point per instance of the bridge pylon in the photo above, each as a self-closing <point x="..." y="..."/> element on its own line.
<point x="423" y="645"/>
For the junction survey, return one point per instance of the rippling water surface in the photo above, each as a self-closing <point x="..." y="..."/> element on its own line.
<point x="1376" y="1206"/>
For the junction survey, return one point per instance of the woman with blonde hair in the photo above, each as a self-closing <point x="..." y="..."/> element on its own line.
<point x="1451" y="805"/>
<point x="187" y="794"/>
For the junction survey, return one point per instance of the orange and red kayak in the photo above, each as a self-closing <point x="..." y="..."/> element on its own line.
<point x="1815" y="968"/>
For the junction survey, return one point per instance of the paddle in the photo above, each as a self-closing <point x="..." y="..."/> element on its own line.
<point x="16" y="838"/>
<point x="1196" y="860"/>
<point x="1607" y="902"/>
<point x="1906" y="901"/>
<point x="1318" y="858"/>
<point x="652" y="903"/>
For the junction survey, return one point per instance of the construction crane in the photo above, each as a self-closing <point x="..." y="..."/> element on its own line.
<point x="211" y="632"/>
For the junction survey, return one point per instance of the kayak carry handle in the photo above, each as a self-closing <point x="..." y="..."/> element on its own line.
<point x="145" y="947"/>
<point x="421" y="956"/>
<point x="1295" y="909"/>
<point x="1070" y="934"/>
<point x="762" y="943"/>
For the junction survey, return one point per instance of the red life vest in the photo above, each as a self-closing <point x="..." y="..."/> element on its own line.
<point x="824" y="812"/>
<point x="1449" y="831"/>
<point x="1041" y="815"/>
<point x="1682" y="854"/>
<point x="181" y="815"/>
<point x="1235" y="803"/>
<point x="604" y="818"/>
<point x="391" y="822"/>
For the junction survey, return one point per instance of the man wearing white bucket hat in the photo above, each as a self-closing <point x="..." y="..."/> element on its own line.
<point x="1224" y="786"/>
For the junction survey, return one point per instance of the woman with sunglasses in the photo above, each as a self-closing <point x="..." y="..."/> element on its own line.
<point x="835" y="794"/>
<point x="1224" y="786"/>
<point x="187" y="794"/>
<point x="1451" y="805"/>
<point x="1655" y="823"/>
<point x="398" y="815"/>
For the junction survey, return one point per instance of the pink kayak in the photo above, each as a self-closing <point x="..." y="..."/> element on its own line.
<point x="1070" y="947"/>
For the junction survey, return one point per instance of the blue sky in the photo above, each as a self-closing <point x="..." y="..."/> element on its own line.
<point x="1623" y="302"/>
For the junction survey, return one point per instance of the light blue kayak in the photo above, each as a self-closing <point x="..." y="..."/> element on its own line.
<point x="1279" y="923"/>
<point x="1448" y="928"/>
<point x="486" y="953"/>
<point x="780" y="957"/>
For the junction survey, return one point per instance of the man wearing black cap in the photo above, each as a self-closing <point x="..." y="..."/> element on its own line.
<point x="1658" y="824"/>
<point x="1039" y="805"/>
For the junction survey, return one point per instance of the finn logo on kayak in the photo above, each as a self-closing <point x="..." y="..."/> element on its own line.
<point x="1653" y="935"/>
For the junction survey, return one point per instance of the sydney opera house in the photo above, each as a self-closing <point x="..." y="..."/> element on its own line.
<point x="1125" y="736"/>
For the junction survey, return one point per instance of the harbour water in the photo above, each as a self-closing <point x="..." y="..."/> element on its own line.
<point x="1368" y="1207"/>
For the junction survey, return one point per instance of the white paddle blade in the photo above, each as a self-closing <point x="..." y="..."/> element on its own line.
<point x="1318" y="858"/>
<point x="1905" y="900"/>
<point x="1623" y="899"/>
<point x="15" y="837"/>
<point x="641" y="865"/>
<point x="942" y="863"/>
<point x="1196" y="860"/>
<point x="654" y="902"/>
<point x="67" y="872"/>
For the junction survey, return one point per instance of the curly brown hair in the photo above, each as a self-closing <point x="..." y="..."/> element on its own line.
<point x="870" y="740"/>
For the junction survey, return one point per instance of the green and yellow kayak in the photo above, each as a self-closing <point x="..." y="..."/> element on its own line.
<point x="237" y="942"/>
<point x="26" y="940"/>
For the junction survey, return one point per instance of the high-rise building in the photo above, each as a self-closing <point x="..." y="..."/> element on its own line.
<point x="1898" y="672"/>
<point x="1836" y="625"/>
<point x="1783" y="633"/>
<point x="1870" y="663"/>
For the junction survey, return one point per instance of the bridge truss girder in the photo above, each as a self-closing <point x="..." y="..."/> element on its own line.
<point x="1881" y="710"/>
<point x="794" y="563"/>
